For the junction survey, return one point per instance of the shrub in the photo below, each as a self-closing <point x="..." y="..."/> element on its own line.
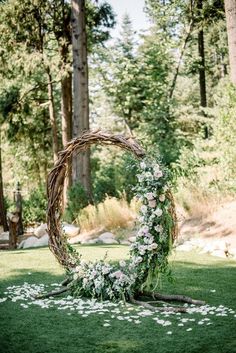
<point x="34" y="208"/>
<point x="205" y="173"/>
<point x="114" y="174"/>
<point x="110" y="214"/>
<point x="77" y="200"/>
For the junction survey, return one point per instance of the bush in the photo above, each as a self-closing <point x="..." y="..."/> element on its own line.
<point x="77" y="200"/>
<point x="114" y="175"/>
<point x="205" y="172"/>
<point x="110" y="214"/>
<point x="34" y="208"/>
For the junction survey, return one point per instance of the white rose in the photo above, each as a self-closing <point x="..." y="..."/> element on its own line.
<point x="75" y="276"/>
<point x="138" y="259"/>
<point x="105" y="270"/>
<point x="144" y="229"/>
<point x="156" y="167"/>
<point x="144" y="209"/>
<point x="149" y="240"/>
<point x="150" y="195"/>
<point x="85" y="281"/>
<point x="142" y="249"/>
<point x="162" y="198"/>
<point x="143" y="165"/>
<point x="122" y="263"/>
<point x="152" y="203"/>
<point x="140" y="177"/>
<point x="158" y="212"/>
<point x="158" y="228"/>
<point x="117" y="274"/>
<point x="149" y="176"/>
<point x="158" y="174"/>
<point x="141" y="219"/>
<point x="153" y="246"/>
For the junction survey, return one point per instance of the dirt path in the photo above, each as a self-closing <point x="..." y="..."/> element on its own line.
<point x="220" y="224"/>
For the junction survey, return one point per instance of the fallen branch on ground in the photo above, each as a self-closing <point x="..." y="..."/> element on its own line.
<point x="172" y="297"/>
<point x="52" y="294"/>
<point x="158" y="308"/>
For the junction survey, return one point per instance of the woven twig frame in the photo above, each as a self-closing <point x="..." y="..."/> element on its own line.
<point x="55" y="184"/>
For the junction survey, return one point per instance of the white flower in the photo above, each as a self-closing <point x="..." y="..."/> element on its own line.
<point x="154" y="246"/>
<point x="152" y="203"/>
<point x="156" y="167"/>
<point x="75" y="276"/>
<point x="117" y="274"/>
<point x="158" y="174"/>
<point x="149" y="176"/>
<point x="106" y="270"/>
<point x="122" y="263"/>
<point x="162" y="197"/>
<point x="158" y="228"/>
<point x="158" y="212"/>
<point x="150" y="195"/>
<point x="143" y="165"/>
<point x="141" y="219"/>
<point x="142" y="249"/>
<point x="144" y="229"/>
<point x="144" y="209"/>
<point x="138" y="259"/>
<point x="85" y="281"/>
<point x="140" y="177"/>
<point x="149" y="240"/>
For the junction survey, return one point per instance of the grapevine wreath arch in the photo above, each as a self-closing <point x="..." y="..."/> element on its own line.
<point x="129" y="280"/>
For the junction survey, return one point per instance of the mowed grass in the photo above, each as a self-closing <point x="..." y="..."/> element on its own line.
<point x="37" y="330"/>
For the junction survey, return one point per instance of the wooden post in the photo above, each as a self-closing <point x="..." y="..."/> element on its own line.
<point x="3" y="218"/>
<point x="18" y="203"/>
<point x="13" y="221"/>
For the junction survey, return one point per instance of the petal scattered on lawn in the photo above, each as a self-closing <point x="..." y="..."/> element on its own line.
<point x="26" y="293"/>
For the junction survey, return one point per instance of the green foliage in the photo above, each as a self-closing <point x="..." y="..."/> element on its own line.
<point x="35" y="207"/>
<point x="224" y="132"/>
<point x="77" y="200"/>
<point x="114" y="176"/>
<point x="205" y="170"/>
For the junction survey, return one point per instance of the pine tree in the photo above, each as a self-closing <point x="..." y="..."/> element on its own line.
<point x="230" y="11"/>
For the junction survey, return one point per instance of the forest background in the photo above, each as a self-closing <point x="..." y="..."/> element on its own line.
<point x="170" y="87"/>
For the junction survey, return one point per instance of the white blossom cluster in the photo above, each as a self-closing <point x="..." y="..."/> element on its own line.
<point x="117" y="282"/>
<point x="153" y="237"/>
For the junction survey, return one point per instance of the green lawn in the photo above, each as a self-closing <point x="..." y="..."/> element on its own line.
<point x="38" y="330"/>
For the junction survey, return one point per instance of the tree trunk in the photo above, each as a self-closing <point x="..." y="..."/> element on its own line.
<point x="52" y="115"/>
<point x="3" y="218"/>
<point x="202" y="71"/>
<point x="18" y="208"/>
<point x="81" y="164"/>
<point x="66" y="110"/>
<point x="230" y="11"/>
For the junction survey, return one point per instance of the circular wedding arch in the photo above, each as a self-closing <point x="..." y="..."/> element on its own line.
<point x="57" y="240"/>
<point x="56" y="179"/>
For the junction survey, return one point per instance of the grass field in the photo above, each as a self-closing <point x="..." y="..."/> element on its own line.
<point x="43" y="330"/>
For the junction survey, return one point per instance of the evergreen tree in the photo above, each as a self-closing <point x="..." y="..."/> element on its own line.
<point x="230" y="11"/>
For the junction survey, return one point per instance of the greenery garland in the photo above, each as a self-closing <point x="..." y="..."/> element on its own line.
<point x="148" y="254"/>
